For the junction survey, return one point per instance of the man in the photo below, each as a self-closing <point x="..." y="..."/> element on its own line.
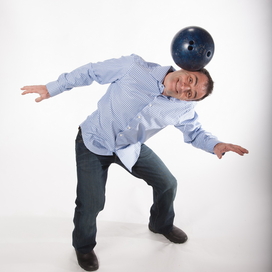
<point x="142" y="99"/>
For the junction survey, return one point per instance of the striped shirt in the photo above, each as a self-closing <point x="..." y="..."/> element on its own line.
<point x="133" y="109"/>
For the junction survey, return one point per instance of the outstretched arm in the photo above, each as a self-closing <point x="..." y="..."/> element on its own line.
<point x="39" y="89"/>
<point x="221" y="148"/>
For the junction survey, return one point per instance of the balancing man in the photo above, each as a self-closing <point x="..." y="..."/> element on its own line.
<point x="142" y="99"/>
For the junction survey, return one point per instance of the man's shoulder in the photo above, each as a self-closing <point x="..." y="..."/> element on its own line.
<point x="141" y="61"/>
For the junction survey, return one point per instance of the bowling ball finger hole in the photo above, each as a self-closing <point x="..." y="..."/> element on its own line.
<point x="209" y="53"/>
<point x="190" y="47"/>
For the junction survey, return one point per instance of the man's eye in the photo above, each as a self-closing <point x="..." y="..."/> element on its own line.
<point x="190" y="80"/>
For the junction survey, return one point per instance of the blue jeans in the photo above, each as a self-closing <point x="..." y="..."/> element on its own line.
<point x="92" y="171"/>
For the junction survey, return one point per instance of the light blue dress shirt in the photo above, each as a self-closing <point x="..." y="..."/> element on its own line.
<point x="133" y="108"/>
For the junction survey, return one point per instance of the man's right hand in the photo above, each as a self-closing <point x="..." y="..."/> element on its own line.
<point x="39" y="89"/>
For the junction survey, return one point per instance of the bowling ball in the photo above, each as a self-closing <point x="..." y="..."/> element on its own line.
<point x="192" y="48"/>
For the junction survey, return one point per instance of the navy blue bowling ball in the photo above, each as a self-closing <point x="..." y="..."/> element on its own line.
<point x="192" y="48"/>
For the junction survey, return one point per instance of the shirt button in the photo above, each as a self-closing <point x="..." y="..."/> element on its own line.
<point x="139" y="116"/>
<point x="128" y="127"/>
<point x="120" y="134"/>
<point x="150" y="105"/>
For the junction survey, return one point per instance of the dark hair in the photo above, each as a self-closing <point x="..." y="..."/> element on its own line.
<point x="209" y="85"/>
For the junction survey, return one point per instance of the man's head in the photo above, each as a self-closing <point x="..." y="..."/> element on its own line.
<point x="187" y="85"/>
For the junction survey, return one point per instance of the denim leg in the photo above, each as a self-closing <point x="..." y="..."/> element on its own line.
<point x="92" y="175"/>
<point x="150" y="168"/>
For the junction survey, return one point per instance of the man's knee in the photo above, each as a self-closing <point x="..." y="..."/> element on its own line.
<point x="173" y="183"/>
<point x="167" y="183"/>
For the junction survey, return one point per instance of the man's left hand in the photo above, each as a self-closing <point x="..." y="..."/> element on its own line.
<point x="222" y="148"/>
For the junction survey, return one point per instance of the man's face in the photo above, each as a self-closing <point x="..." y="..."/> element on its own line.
<point x="185" y="85"/>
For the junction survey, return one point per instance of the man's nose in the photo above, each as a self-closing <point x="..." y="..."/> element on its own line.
<point x="185" y="87"/>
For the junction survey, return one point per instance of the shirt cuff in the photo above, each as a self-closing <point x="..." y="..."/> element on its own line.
<point x="211" y="144"/>
<point x="53" y="88"/>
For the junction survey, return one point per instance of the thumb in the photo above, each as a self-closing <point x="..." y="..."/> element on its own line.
<point x="218" y="153"/>
<point x="39" y="99"/>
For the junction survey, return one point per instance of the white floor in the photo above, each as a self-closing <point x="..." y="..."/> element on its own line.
<point x="44" y="245"/>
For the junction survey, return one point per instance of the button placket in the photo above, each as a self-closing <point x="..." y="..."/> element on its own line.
<point x="139" y="116"/>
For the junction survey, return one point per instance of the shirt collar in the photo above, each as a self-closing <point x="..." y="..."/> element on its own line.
<point x="159" y="72"/>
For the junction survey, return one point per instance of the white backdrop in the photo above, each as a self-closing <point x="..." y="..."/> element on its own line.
<point x="40" y="39"/>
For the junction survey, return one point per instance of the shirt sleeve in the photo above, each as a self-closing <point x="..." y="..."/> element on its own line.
<point x="102" y="72"/>
<point x="194" y="134"/>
